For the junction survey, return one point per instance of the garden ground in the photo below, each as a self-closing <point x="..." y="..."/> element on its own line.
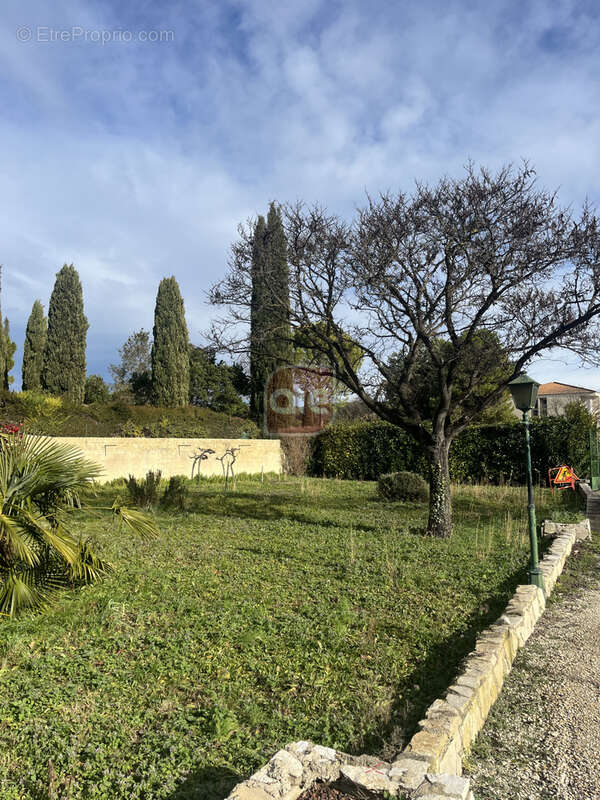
<point x="289" y="609"/>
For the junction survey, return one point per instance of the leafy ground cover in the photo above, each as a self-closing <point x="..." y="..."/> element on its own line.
<point x="293" y="608"/>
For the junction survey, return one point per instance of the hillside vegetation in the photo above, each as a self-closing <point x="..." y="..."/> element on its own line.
<point x="56" y="416"/>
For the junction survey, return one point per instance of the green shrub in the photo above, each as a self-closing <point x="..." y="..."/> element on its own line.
<point x="144" y="492"/>
<point x="176" y="493"/>
<point x="96" y="390"/>
<point x="402" y="486"/>
<point x="130" y="429"/>
<point x="496" y="453"/>
<point x="33" y="404"/>
<point x="481" y="453"/>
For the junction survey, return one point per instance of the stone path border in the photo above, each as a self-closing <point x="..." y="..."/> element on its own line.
<point x="542" y="737"/>
<point x="431" y="765"/>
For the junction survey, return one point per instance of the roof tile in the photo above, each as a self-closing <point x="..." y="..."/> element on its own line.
<point x="563" y="388"/>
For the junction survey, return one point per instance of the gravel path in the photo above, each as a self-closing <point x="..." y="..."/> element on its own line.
<point x="542" y="738"/>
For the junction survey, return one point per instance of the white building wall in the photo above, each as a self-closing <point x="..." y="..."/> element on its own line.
<point x="554" y="405"/>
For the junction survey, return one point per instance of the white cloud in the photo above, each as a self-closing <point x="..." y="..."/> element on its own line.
<point x="138" y="161"/>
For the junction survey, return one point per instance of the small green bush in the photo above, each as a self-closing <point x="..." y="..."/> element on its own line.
<point x="35" y="408"/>
<point x="144" y="493"/>
<point x="96" y="390"/>
<point x="402" y="486"/>
<point x="176" y="493"/>
<point x="130" y="429"/>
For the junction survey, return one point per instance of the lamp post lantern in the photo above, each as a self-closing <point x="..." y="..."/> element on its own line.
<point x="524" y="391"/>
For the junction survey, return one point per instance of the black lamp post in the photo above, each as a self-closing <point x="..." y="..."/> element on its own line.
<point x="524" y="391"/>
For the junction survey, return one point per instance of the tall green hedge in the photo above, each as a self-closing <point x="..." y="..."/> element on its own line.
<point x="364" y="451"/>
<point x="494" y="453"/>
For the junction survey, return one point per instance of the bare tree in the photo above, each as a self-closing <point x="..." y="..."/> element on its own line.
<point x="484" y="253"/>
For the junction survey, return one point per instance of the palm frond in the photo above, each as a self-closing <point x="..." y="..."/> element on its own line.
<point x="40" y="481"/>
<point x="88" y="567"/>
<point x="38" y="531"/>
<point x="138" y="522"/>
<point x="14" y="539"/>
<point x="63" y="542"/>
<point x="29" y="588"/>
<point x="32" y="466"/>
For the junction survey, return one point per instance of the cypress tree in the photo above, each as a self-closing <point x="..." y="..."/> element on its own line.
<point x="258" y="321"/>
<point x="7" y="348"/>
<point x="3" y="358"/>
<point x="64" y="366"/>
<point x="279" y="289"/>
<point x="170" y="356"/>
<point x="3" y="341"/>
<point x="33" y="350"/>
<point x="10" y="348"/>
<point x="270" y="346"/>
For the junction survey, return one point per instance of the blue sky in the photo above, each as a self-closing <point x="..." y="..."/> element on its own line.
<point x="137" y="159"/>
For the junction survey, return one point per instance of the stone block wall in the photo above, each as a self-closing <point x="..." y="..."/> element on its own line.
<point x="120" y="457"/>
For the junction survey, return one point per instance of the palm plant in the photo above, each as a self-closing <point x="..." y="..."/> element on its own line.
<point x="40" y="484"/>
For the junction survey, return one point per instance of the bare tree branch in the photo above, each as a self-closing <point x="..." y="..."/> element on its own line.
<point x="484" y="253"/>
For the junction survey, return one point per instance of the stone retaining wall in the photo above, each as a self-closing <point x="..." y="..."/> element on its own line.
<point x="120" y="457"/>
<point x="431" y="764"/>
<point x="452" y="723"/>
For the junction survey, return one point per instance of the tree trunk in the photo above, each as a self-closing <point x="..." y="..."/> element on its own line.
<point x="440" y="507"/>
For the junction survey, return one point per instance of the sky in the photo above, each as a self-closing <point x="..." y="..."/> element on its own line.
<point x="136" y="136"/>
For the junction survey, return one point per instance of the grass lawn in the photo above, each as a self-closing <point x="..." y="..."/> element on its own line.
<point x="293" y="609"/>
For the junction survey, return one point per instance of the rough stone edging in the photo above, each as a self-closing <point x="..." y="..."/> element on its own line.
<point x="431" y="764"/>
<point x="452" y="723"/>
<point x="298" y="765"/>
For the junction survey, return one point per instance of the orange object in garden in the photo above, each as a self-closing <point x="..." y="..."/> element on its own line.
<point x="562" y="477"/>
